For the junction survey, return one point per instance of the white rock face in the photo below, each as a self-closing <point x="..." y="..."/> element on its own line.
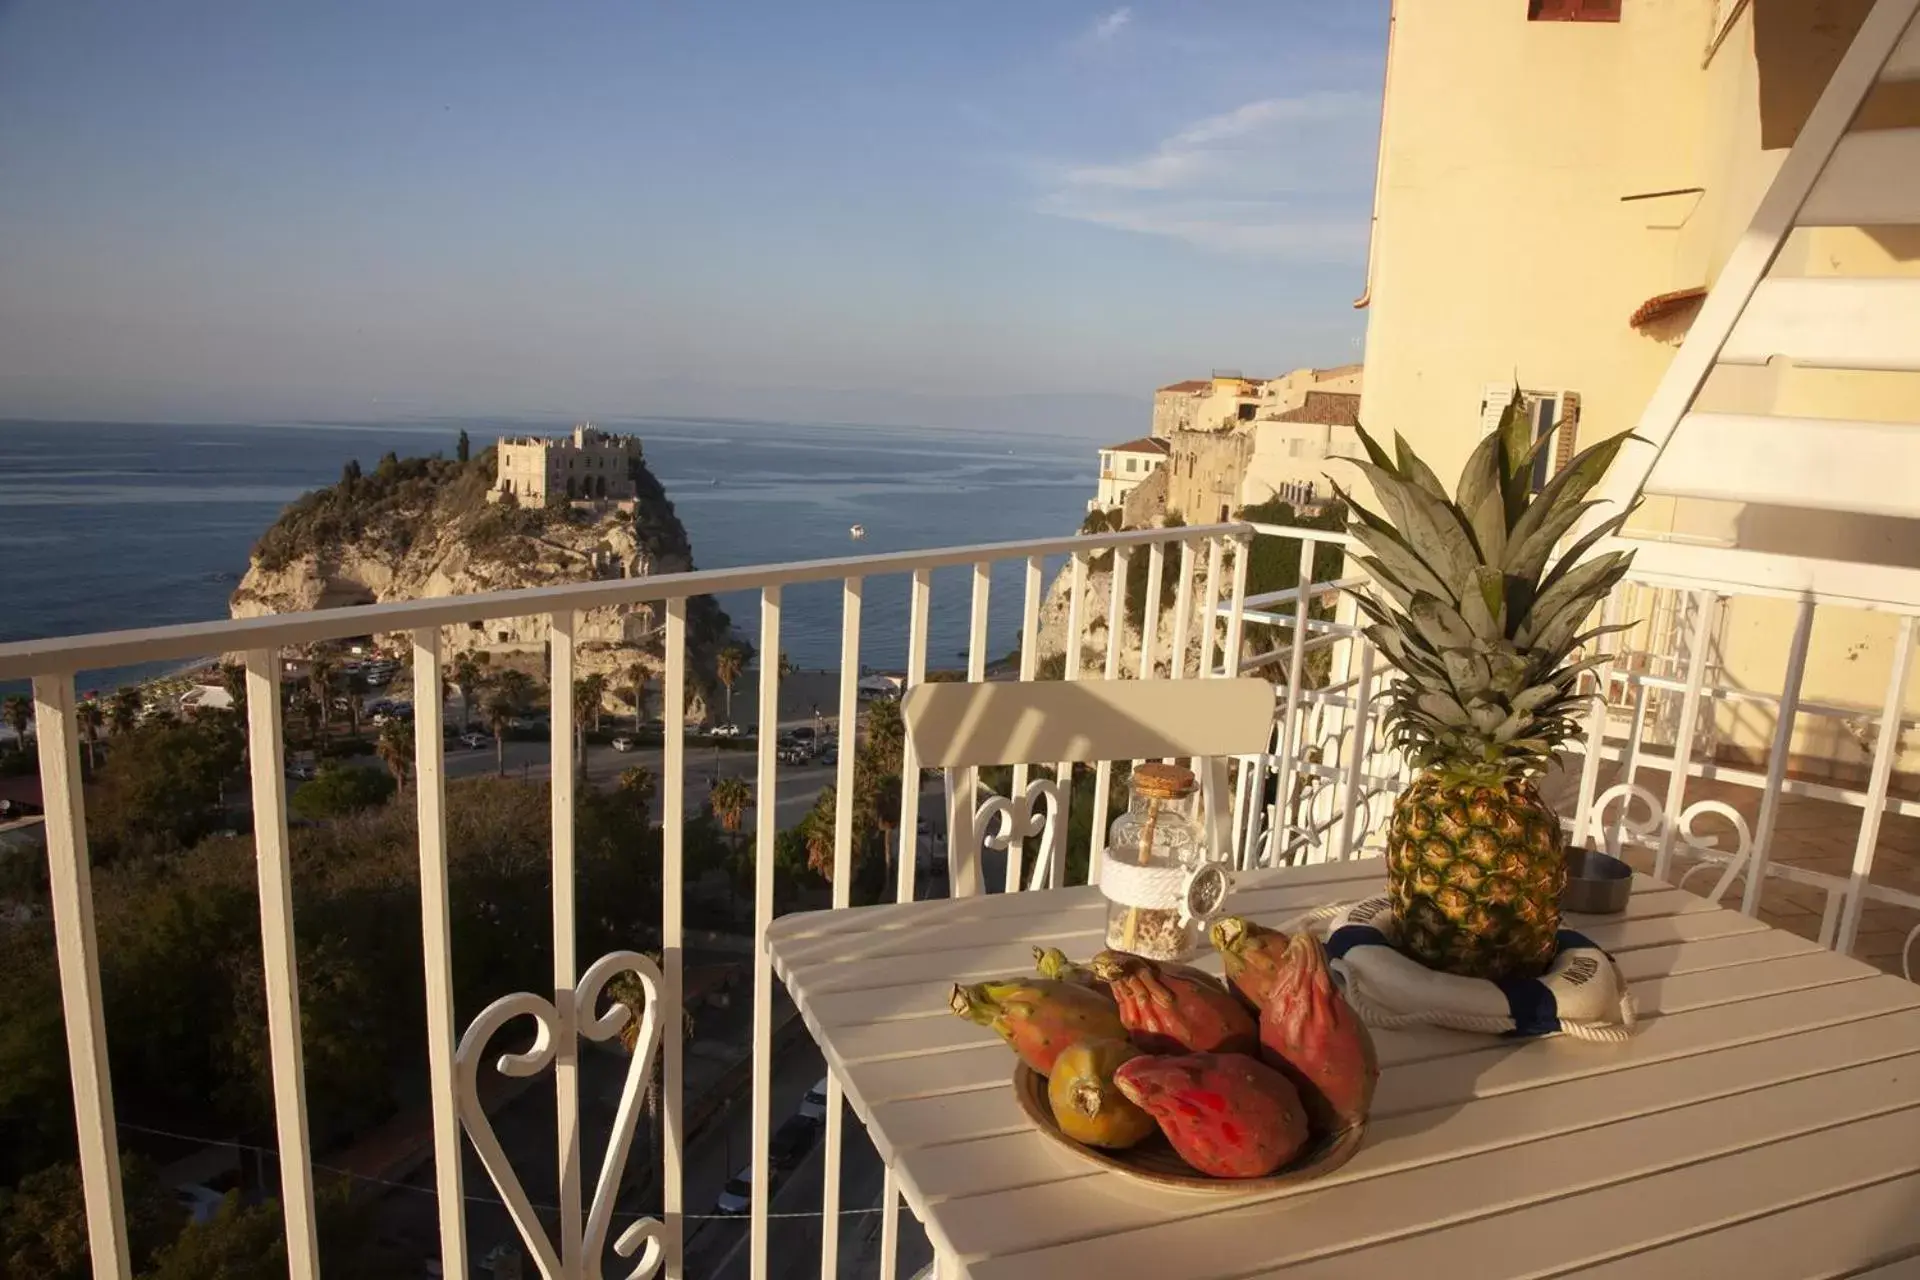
<point x="455" y="548"/>
<point x="1055" y="610"/>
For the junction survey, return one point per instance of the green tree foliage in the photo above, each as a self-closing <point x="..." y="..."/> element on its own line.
<point x="395" y="749"/>
<point x="340" y="790"/>
<point x="161" y="788"/>
<point x="462" y="449"/>
<point x="43" y="1221"/>
<point x="466" y="676"/>
<point x="727" y="666"/>
<point x="1274" y="565"/>
<point x="123" y="711"/>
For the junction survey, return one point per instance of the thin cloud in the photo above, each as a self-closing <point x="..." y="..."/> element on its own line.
<point x="1276" y="177"/>
<point x="1110" y="25"/>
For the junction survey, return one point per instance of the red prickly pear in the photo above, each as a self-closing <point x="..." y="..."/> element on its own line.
<point x="1250" y="953"/>
<point x="1086" y="1105"/>
<point x="1039" y="1017"/>
<point x="1169" y="1008"/>
<point x="1052" y="962"/>
<point x="1309" y="1031"/>
<point x="1227" y="1114"/>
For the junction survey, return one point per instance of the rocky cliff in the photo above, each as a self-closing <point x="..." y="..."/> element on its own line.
<point x="423" y="527"/>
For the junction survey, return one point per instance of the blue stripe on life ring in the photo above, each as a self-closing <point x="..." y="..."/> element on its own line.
<point x="1531" y="1005"/>
<point x="1349" y="936"/>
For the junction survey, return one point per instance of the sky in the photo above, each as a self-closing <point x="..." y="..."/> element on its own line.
<point x="856" y="210"/>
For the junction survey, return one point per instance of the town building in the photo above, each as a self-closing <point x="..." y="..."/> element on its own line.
<point x="1206" y="404"/>
<point x="1124" y="467"/>
<point x="589" y="465"/>
<point x="1557" y="227"/>
<point x="1295" y="453"/>
<point x="1213" y="470"/>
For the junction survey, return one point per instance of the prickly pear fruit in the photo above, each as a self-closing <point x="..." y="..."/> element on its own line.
<point x="1052" y="962"/>
<point x="1086" y="1104"/>
<point x="1250" y="953"/>
<point x="1169" y="1008"/>
<point x="1310" y="1032"/>
<point x="1039" y="1017"/>
<point x="1227" y="1114"/>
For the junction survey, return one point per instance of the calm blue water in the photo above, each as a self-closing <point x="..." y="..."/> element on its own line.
<point x="104" y="526"/>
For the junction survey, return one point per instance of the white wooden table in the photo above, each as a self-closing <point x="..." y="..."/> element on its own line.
<point x="1763" y="1122"/>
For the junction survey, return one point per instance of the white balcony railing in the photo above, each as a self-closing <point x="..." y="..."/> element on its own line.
<point x="1323" y="792"/>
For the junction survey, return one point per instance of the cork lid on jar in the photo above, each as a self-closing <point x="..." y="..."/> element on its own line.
<point x="1163" y="781"/>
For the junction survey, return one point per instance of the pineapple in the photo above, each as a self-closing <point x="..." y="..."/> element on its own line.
<point x="1483" y="631"/>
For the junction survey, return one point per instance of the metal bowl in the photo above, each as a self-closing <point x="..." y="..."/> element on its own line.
<point x="1598" y="884"/>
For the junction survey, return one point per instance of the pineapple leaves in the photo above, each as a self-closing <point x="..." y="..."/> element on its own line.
<point x="1515" y="434"/>
<point x="1463" y="603"/>
<point x="1557" y="615"/>
<point x="1413" y="469"/>
<point x="1481" y="499"/>
<point x="1428" y="525"/>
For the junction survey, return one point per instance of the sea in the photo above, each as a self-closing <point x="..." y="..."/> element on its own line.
<point x="106" y="526"/>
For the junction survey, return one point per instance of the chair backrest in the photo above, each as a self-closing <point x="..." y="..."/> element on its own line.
<point x="958" y="727"/>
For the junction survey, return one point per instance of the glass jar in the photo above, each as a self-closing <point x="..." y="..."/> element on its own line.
<point x="1150" y="849"/>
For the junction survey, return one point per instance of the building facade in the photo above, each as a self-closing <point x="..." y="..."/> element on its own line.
<point x="589" y="465"/>
<point x="1124" y="467"/>
<point x="1557" y="227"/>
<point x="1296" y="453"/>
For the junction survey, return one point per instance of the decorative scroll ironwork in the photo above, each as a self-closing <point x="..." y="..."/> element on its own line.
<point x="553" y="1029"/>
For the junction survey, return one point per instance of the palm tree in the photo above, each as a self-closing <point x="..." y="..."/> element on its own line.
<point x="91" y="720"/>
<point x="886" y="812"/>
<point x="817" y="829"/>
<point x="729" y="800"/>
<point x="395" y="749"/>
<point x="517" y="686"/>
<point x="499" y="712"/>
<point x="123" y="713"/>
<point x="886" y="734"/>
<point x="466" y="678"/>
<point x="356" y="687"/>
<point x="637" y="788"/>
<point x="18" y="711"/>
<point x="234" y="677"/>
<point x="320" y="671"/>
<point x="637" y="680"/>
<point x="727" y="665"/>
<point x="588" y="692"/>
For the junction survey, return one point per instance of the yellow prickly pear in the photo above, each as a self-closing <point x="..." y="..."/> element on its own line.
<point x="1040" y="1017"/>
<point x="1087" y="1105"/>
<point x="1052" y="962"/>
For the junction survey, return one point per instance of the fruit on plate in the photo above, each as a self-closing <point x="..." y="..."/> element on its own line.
<point x="1173" y="1009"/>
<point x="1484" y="632"/>
<point x="1087" y="1105"/>
<point x="1229" y="1115"/>
<point x="1039" y="1017"/>
<point x="1250" y="953"/>
<point x="1310" y="1033"/>
<point x="1052" y="962"/>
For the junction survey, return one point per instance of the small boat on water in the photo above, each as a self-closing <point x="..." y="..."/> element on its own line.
<point x="858" y="532"/>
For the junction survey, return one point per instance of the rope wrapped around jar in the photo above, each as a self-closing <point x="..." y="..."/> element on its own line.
<point x="1161" y="890"/>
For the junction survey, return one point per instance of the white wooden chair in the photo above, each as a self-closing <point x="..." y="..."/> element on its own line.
<point x="1761" y="314"/>
<point x="957" y="728"/>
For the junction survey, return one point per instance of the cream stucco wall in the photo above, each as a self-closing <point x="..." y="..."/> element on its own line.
<point x="1519" y="227"/>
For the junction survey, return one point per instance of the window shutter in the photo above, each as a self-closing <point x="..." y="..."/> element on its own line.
<point x="1493" y="402"/>
<point x="1568" y="442"/>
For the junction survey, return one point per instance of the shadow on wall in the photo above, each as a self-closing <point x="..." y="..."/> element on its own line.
<point x="1831" y="535"/>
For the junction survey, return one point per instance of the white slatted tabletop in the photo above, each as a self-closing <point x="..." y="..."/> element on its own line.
<point x="1764" y="1120"/>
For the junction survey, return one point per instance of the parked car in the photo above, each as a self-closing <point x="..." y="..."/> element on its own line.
<point x="474" y="741"/>
<point x="794" y="753"/>
<point x="814" y="1105"/>
<point x="736" y="1198"/>
<point x="301" y="770"/>
<point x="831" y="756"/>
<point x="623" y="743"/>
<point x="725" y="731"/>
<point x="792" y="1140"/>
